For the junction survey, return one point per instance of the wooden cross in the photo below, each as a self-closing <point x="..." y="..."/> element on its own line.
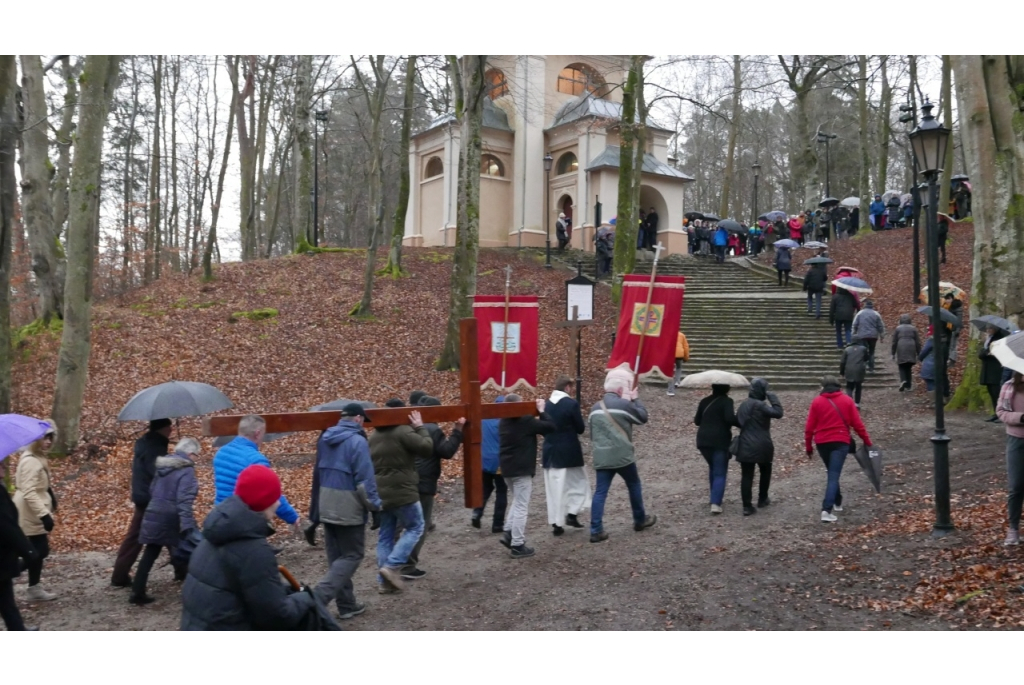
<point x="470" y="408"/>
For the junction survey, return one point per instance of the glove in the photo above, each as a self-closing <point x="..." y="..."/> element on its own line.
<point x="53" y="498"/>
<point x="375" y="520"/>
<point x="47" y="522"/>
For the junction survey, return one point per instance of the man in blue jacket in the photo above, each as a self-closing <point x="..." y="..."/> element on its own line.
<point x="348" y="490"/>
<point x="490" y="447"/>
<point x="877" y="211"/>
<point x="240" y="453"/>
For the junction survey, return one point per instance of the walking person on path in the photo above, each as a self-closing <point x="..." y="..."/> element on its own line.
<point x="490" y="448"/>
<point x="1010" y="409"/>
<point x="869" y="327"/>
<point x="566" y="486"/>
<point x="721" y="239"/>
<point x="814" y="286"/>
<point x="853" y="367"/>
<point x="15" y="551"/>
<point x="927" y="358"/>
<point x="169" y="517"/>
<point x="682" y="355"/>
<point x="829" y="420"/>
<point x="716" y="417"/>
<point x="783" y="263"/>
<point x="906" y="345"/>
<point x="518" y="458"/>
<point x="36" y="503"/>
<point x="755" y="448"/>
<point x="152" y="444"/>
<point x="991" y="370"/>
<point x="840" y="314"/>
<point x="611" y="438"/>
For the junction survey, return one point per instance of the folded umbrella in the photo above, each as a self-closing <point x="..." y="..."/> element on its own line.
<point x="815" y="245"/>
<point x="856" y="285"/>
<point x="828" y="202"/>
<point x="776" y="215"/>
<point x="16" y="431"/>
<point x="787" y="242"/>
<point x="990" y="320"/>
<point x="870" y="460"/>
<point x="944" y="315"/>
<point x="851" y="202"/>
<point x="173" y="399"/>
<point x="318" y="617"/>
<point x="818" y="260"/>
<point x="705" y="379"/>
<point x="1010" y="351"/>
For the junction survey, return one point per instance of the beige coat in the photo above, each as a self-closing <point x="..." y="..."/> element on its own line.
<point x="32" y="496"/>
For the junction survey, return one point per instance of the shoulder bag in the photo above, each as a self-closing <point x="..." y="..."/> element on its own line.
<point x="853" y="441"/>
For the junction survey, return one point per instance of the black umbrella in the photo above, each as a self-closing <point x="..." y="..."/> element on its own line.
<point x="828" y="202"/>
<point x="763" y="217"/>
<point x="711" y="217"/>
<point x="693" y="215"/>
<point x="733" y="226"/>
<point x="944" y="314"/>
<point x="172" y="400"/>
<point x="318" y="617"/>
<point x="818" y="260"/>
<point x="338" y="405"/>
<point x="870" y="460"/>
<point x="990" y="320"/>
<point x="960" y="177"/>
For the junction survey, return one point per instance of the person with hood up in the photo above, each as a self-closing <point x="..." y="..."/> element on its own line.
<point x="682" y="355"/>
<point x="829" y="421"/>
<point x="840" y="314"/>
<point x="566" y="486"/>
<point x="429" y="468"/>
<point x="36" y="503"/>
<point x="876" y="211"/>
<point x="814" y="286"/>
<point x="1010" y="409"/>
<point x="906" y="345"/>
<point x="796" y="227"/>
<point x="715" y="418"/>
<point x="348" y="493"/>
<point x="869" y="327"/>
<point x="783" y="263"/>
<point x="991" y="369"/>
<point x="233" y="582"/>
<point x="604" y="246"/>
<point x="927" y="358"/>
<point x="853" y="367"/>
<point x="721" y="240"/>
<point x="755" y="447"/>
<point x="611" y="437"/>
<point x="169" y="517"/>
<point x="490" y="448"/>
<point x="15" y="550"/>
<point x="518" y="459"/>
<point x="562" y="231"/>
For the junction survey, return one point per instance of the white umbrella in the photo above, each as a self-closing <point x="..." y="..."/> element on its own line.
<point x="1010" y="352"/>
<point x="705" y="379"/>
<point x="857" y="285"/>
<point x="851" y="202"/>
<point x="890" y="193"/>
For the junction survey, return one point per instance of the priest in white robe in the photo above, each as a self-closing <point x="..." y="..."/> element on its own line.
<point x="565" y="481"/>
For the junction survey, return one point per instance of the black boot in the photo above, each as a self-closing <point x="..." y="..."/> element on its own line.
<point x="572" y="521"/>
<point x="556" y="529"/>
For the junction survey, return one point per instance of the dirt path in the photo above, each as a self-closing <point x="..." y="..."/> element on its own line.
<point x="780" y="569"/>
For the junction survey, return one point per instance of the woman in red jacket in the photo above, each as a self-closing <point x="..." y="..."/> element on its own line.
<point x="829" y="420"/>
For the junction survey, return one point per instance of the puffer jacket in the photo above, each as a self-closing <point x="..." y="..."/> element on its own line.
<point x="231" y="460"/>
<point x="32" y="496"/>
<point x="519" y="443"/>
<point x="490" y="443"/>
<point x="754" y="418"/>
<point x="173" y="493"/>
<point x="721" y="237"/>
<point x="14" y="546"/>
<point x="715" y="417"/>
<point x="233" y="582"/>
<point x="854" y="364"/>
<point x="843" y="308"/>
<point x="815" y="279"/>
<point x="927" y="359"/>
<point x="394" y="450"/>
<point x="906" y="343"/>
<point x="445" y="447"/>
<point x="343" y="465"/>
<point x="613" y="446"/>
<point x="147" y="448"/>
<point x="868" y="323"/>
<point x="783" y="260"/>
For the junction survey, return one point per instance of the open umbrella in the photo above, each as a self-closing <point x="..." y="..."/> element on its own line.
<point x="819" y="260"/>
<point x="173" y="399"/>
<point x="959" y="177"/>
<point x="787" y="242"/>
<point x="990" y="320"/>
<point x="763" y="217"/>
<point x="711" y="217"/>
<point x="705" y="379"/>
<point x="870" y="460"/>
<point x="851" y="202"/>
<point x="856" y="285"/>
<point x="906" y="199"/>
<point x="828" y="202"/>
<point x="814" y="245"/>
<point x="776" y="215"/>
<point x="945" y="288"/>
<point x="733" y="226"/>
<point x="889" y="194"/>
<point x="693" y="215"/>
<point x="944" y="315"/>
<point x="851" y="269"/>
<point x="1010" y="352"/>
<point x="16" y="431"/>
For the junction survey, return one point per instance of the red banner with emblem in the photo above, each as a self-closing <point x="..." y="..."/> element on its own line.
<point x="516" y="344"/>
<point x="657" y="356"/>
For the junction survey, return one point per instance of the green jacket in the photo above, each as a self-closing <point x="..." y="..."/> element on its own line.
<point x="393" y="450"/>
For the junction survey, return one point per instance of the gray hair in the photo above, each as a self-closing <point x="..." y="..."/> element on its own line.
<point x="187" y="445"/>
<point x="250" y="425"/>
<point x="512" y="397"/>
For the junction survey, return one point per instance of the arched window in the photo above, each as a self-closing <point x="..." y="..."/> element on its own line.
<point x="577" y="79"/>
<point x="496" y="83"/>
<point x="491" y="166"/>
<point x="435" y="167"/>
<point x="567" y="164"/>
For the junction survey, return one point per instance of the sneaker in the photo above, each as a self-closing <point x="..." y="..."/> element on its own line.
<point x="903" y="386"/>
<point x="671" y="392"/>
<point x="310" y="534"/>
<point x="837" y="507"/>
<point x="506" y="538"/>
<point x="598" y="537"/>
<point x="384" y="589"/>
<point x="762" y="503"/>
<point x="993" y="419"/>
<point x="647" y="523"/>
<point x="36" y="593"/>
<point x="749" y="511"/>
<point x="432" y="527"/>
<point x="827" y="517"/>
<point x="475" y="522"/>
<point x="140" y="600"/>
<point x="521" y="552"/>
<point x="1012" y="538"/>
<point x="393" y="576"/>
<point x="121" y="584"/>
<point x="498" y="528"/>
<point x="572" y="521"/>
<point x="414" y="574"/>
<point x="716" y="508"/>
<point x="556" y="529"/>
<point x="353" y="612"/>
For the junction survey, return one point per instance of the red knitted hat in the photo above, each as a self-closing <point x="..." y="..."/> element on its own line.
<point x="258" y="486"/>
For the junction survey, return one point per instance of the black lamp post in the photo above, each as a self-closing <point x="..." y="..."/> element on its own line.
<point x="756" y="166"/>
<point x="547" y="210"/>
<point x="929" y="142"/>
<point x="908" y="116"/>
<point x="826" y="138"/>
<point x="321" y="116"/>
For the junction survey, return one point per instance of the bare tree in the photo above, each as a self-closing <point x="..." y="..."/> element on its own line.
<point x="215" y="200"/>
<point x="302" y="158"/>
<point x="8" y="198"/>
<point x="394" y="265"/>
<point x="626" y="218"/>
<point x="947" y="121"/>
<point x="734" y="128"/>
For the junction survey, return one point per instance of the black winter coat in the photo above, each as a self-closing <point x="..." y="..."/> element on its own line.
<point x="233" y="582"/>
<point x="170" y="509"/>
<point x="906" y="344"/>
<point x="815" y="279"/>
<point x="518" y="437"/>
<point x="561" y="448"/>
<point x="783" y="260"/>
<point x="429" y="468"/>
<point x="754" y="418"/>
<point x="715" y="417"/>
<point x="854" y="364"/>
<point x="13" y="543"/>
<point x="843" y="307"/>
<point x="991" y="369"/>
<point x="147" y="449"/>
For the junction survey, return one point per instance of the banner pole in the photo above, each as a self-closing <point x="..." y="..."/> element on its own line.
<point x="504" y="342"/>
<point x="647" y="313"/>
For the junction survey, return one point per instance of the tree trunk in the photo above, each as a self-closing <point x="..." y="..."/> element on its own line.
<point x="302" y="157"/>
<point x="99" y="80"/>
<point x="470" y="110"/>
<point x="806" y="159"/>
<point x="734" y="129"/>
<point x="947" y="121"/>
<point x="624" y="258"/>
<point x="394" y="265"/>
<point x="35" y="191"/>
<point x="246" y="153"/>
<point x="173" y="223"/>
<point x="864" y="185"/>
<point x="128" y="212"/>
<point x="884" y="127"/>
<point x="152" y="258"/>
<point x="211" y="238"/>
<point x="990" y="97"/>
<point x="8" y="198"/>
<point x="59" y="187"/>
<point x="267" y="83"/>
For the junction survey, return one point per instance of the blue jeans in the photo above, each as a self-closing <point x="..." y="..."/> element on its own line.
<point x="815" y="297"/>
<point x="1015" y="479"/>
<point x="718" y="469"/>
<point x="842" y="326"/>
<point x="396" y="554"/>
<point x="833" y="454"/>
<point x="604" y="481"/>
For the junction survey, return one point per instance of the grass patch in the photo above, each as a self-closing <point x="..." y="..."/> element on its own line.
<point x="22" y="336"/>
<point x="254" y="315"/>
<point x="436" y="257"/>
<point x="305" y="248"/>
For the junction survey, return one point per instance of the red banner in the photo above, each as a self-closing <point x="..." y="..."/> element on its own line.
<point x="657" y="357"/>
<point x="518" y="346"/>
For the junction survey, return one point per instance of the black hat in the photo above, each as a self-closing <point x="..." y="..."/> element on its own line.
<point x="157" y="424"/>
<point x="394" y="403"/>
<point x="415" y="397"/>
<point x="354" y="409"/>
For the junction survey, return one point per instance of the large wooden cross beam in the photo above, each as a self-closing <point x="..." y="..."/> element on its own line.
<point x="471" y="408"/>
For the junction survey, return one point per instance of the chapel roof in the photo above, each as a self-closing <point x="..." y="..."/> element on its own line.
<point x="494" y="118"/>
<point x="586" y="106"/>
<point x="609" y="157"/>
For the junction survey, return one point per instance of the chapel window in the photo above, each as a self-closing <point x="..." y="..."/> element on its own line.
<point x="491" y="166"/>
<point x="567" y="164"/>
<point x="435" y="167"/>
<point x="578" y="79"/>
<point x="496" y="83"/>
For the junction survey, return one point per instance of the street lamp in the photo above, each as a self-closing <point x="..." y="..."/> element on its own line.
<point x="909" y="116"/>
<point x="826" y="138"/>
<point x="321" y="116"/>
<point x="756" y="166"/>
<point x="928" y="142"/>
<point x="547" y="210"/>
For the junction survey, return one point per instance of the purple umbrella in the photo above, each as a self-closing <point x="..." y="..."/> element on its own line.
<point x="16" y="431"/>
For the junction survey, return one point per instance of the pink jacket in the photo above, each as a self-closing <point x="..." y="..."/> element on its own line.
<point x="1010" y="409"/>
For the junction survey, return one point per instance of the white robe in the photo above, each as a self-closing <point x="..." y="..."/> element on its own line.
<point x="567" y="492"/>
